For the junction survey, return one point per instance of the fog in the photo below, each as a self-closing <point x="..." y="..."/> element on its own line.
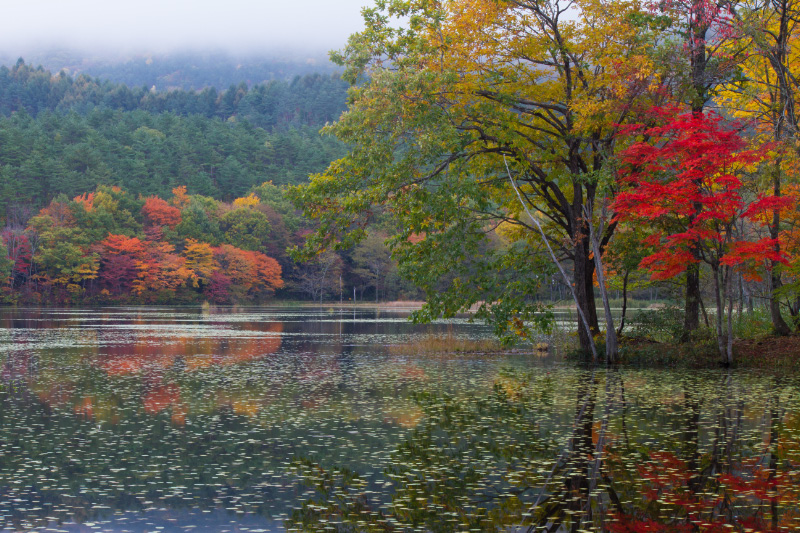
<point x="107" y="26"/>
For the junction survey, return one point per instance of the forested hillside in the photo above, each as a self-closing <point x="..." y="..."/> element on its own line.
<point x="65" y="135"/>
<point x="112" y="194"/>
<point x="148" y="153"/>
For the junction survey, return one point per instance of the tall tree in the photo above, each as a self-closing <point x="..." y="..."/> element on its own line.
<point x="704" y="47"/>
<point x="766" y="91"/>
<point x="544" y="84"/>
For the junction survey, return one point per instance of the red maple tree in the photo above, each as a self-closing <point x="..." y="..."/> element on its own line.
<point x="685" y="179"/>
<point x="19" y="250"/>
<point x="118" y="257"/>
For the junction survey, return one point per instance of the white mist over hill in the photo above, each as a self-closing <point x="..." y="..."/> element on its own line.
<point x="104" y="26"/>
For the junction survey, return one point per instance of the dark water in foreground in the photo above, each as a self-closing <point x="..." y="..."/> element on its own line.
<point x="132" y="419"/>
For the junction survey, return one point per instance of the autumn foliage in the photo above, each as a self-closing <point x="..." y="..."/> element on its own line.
<point x="685" y="181"/>
<point x="106" y="246"/>
<point x="160" y="213"/>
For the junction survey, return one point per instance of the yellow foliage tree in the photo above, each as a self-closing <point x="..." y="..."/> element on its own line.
<point x="766" y="94"/>
<point x="468" y="86"/>
<point x="200" y="260"/>
<point x="250" y="200"/>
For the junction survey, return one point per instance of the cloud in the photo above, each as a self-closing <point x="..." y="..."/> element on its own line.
<point x="170" y="24"/>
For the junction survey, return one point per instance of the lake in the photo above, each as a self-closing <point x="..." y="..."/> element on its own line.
<point x="162" y="419"/>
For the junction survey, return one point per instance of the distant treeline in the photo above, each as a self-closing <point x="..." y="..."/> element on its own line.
<point x="182" y="70"/>
<point x="108" y="246"/>
<point x="310" y="100"/>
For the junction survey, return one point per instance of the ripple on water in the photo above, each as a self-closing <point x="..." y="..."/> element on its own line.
<point x="141" y="419"/>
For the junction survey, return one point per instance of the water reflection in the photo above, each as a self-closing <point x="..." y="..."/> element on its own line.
<point x="138" y="419"/>
<point x="570" y="450"/>
<point x="151" y="410"/>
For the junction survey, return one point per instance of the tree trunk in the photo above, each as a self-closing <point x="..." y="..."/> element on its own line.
<point x="718" y="289"/>
<point x="691" y="319"/>
<point x="612" y="347"/>
<point x="705" y="314"/>
<point x="785" y="127"/>
<point x="729" y="345"/>
<point x="724" y="296"/>
<point x="779" y="325"/>
<point x="624" y="303"/>
<point x="584" y="291"/>
<point x="699" y="61"/>
<point x="740" y="297"/>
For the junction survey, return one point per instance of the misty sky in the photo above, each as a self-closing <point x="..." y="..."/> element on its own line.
<point x="178" y="24"/>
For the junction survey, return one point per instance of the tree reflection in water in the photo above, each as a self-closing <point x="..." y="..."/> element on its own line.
<point x="708" y="454"/>
<point x="252" y="420"/>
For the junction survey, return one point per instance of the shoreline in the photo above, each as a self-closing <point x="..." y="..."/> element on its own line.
<point x="768" y="352"/>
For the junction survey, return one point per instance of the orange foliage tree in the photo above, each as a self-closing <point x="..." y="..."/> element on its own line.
<point x="160" y="213"/>
<point x="179" y="197"/>
<point x="249" y="272"/>
<point x="160" y="270"/>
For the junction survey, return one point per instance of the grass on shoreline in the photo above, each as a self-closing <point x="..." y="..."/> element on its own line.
<point x="446" y="344"/>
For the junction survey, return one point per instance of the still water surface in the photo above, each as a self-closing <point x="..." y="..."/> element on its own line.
<point x="158" y="419"/>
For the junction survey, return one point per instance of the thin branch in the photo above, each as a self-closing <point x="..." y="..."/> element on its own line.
<point x="557" y="262"/>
